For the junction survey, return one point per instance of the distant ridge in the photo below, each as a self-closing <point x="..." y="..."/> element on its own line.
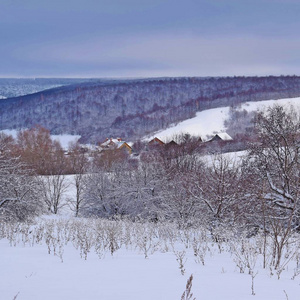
<point x="131" y="108"/>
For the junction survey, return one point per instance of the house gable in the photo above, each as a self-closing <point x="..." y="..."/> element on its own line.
<point x="156" y="141"/>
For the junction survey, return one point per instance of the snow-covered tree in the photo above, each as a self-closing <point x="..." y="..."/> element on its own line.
<point x="53" y="191"/>
<point x="96" y="195"/>
<point x="215" y="187"/>
<point x="273" y="174"/>
<point x="276" y="157"/>
<point x="124" y="189"/>
<point x="78" y="166"/>
<point x="19" y="190"/>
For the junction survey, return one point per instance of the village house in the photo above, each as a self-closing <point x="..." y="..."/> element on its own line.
<point x="115" y="144"/>
<point x="156" y="142"/>
<point x="222" y="136"/>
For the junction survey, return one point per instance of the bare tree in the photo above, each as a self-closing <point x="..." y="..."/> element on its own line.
<point x="181" y="154"/>
<point x="19" y="190"/>
<point x="278" y="154"/>
<point x="178" y="203"/>
<point x="215" y="187"/>
<point x="125" y="189"/>
<point x="96" y="195"/>
<point x="7" y="144"/>
<point x="54" y="188"/>
<point x="78" y="166"/>
<point x="274" y="162"/>
<point x="34" y="147"/>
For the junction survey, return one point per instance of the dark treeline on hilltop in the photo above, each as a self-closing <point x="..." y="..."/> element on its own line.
<point x="133" y="108"/>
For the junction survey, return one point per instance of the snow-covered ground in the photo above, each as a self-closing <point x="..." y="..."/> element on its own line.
<point x="209" y="122"/>
<point x="262" y="105"/>
<point x="66" y="139"/>
<point x="11" y="132"/>
<point x="30" y="273"/>
<point x="205" y="123"/>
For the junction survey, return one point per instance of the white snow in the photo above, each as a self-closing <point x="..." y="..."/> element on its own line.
<point x="66" y="139"/>
<point x="31" y="273"/>
<point x="206" y="123"/>
<point x="262" y="105"/>
<point x="224" y="136"/>
<point x="210" y="122"/>
<point x="11" y="132"/>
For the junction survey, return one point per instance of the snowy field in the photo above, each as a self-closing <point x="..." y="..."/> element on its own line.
<point x="29" y="272"/>
<point x="211" y="121"/>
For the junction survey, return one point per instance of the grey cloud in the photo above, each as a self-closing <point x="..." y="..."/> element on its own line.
<point x="181" y="54"/>
<point x="143" y="37"/>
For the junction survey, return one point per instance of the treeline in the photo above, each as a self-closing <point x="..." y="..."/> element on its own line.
<point x="174" y="182"/>
<point x="134" y="108"/>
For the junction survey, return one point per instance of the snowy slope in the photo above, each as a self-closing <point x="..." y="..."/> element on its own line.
<point x="211" y="121"/>
<point x="205" y="123"/>
<point x="262" y="105"/>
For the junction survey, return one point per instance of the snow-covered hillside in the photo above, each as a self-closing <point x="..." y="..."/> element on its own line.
<point x="134" y="108"/>
<point x="205" y="124"/>
<point x="211" y="121"/>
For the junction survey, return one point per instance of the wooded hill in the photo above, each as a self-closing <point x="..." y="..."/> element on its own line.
<point x="133" y="108"/>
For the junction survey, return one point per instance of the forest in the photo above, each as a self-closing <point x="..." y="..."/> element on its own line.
<point x="134" y="108"/>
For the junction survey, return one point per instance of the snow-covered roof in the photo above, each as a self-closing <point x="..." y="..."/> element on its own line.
<point x="119" y="144"/>
<point x="224" y="136"/>
<point x="110" y="142"/>
<point x="114" y="143"/>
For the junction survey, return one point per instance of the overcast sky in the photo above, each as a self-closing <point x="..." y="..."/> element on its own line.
<point x="149" y="38"/>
